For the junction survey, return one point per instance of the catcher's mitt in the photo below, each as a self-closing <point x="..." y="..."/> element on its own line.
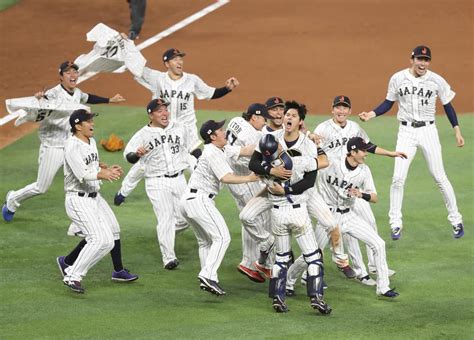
<point x="113" y="143"/>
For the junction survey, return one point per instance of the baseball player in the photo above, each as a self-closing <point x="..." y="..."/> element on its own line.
<point x="198" y="206"/>
<point x="297" y="143"/>
<point x="86" y="208"/>
<point x="416" y="89"/>
<point x="162" y="147"/>
<point x="53" y="132"/>
<point x="179" y="89"/>
<point x="242" y="131"/>
<point x="289" y="216"/>
<point x="334" y="134"/>
<point x="276" y="109"/>
<point x="341" y="184"/>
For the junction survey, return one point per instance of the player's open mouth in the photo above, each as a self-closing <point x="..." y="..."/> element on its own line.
<point x="288" y="124"/>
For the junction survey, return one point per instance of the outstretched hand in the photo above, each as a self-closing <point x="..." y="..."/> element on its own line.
<point x="365" y="116"/>
<point x="117" y="99"/>
<point x="231" y="83"/>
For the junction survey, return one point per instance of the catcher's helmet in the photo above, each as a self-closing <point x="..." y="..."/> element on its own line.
<point x="268" y="147"/>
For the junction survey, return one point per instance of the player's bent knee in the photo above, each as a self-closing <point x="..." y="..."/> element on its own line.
<point x="398" y="181"/>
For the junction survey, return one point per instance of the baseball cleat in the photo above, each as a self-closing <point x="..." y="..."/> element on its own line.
<point x="391" y="293"/>
<point x="123" y="276"/>
<point x="75" y="286"/>
<point x="290" y="292"/>
<point x="172" y="264"/>
<point x="62" y="265"/>
<point x="458" y="230"/>
<point x="318" y="303"/>
<point x="211" y="286"/>
<point x="119" y="199"/>
<point x="390" y="272"/>
<point x="7" y="214"/>
<point x="279" y="305"/>
<point x="367" y="280"/>
<point x="396" y="233"/>
<point x="253" y="275"/>
<point x="348" y="271"/>
<point x="266" y="272"/>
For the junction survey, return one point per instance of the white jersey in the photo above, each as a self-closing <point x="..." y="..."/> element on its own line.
<point x="335" y="137"/>
<point x="266" y="130"/>
<point x="167" y="149"/>
<point x="210" y="168"/>
<point x="301" y="165"/>
<point x="337" y="179"/>
<point x="241" y="133"/>
<point x="302" y="146"/>
<point x="53" y="130"/>
<point x="81" y="160"/>
<point x="416" y="96"/>
<point x="179" y="93"/>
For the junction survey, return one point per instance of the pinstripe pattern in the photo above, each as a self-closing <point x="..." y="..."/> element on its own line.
<point x="409" y="140"/>
<point x="165" y="194"/>
<point x="134" y="175"/>
<point x="50" y="161"/>
<point x="210" y="229"/>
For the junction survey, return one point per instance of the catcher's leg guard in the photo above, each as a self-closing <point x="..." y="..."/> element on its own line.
<point x="314" y="283"/>
<point x="278" y="281"/>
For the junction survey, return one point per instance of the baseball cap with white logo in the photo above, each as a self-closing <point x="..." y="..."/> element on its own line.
<point x="155" y="104"/>
<point x="256" y="109"/>
<point x="172" y="53"/>
<point x="80" y="116"/>
<point x="208" y="128"/>
<point x="356" y="143"/>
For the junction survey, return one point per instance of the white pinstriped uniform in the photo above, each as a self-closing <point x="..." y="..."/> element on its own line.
<point x="167" y="156"/>
<point x="241" y="133"/>
<point x="53" y="132"/>
<point x="334" y="144"/>
<point x="199" y="209"/>
<point x="416" y="97"/>
<point x="334" y="183"/>
<point x="180" y="94"/>
<point x="92" y="216"/>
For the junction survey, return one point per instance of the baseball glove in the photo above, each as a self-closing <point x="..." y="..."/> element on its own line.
<point x="113" y="143"/>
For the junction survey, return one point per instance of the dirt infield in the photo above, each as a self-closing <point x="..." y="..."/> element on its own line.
<point x="303" y="49"/>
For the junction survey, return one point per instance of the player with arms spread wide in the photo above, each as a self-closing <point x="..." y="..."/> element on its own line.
<point x="416" y="89"/>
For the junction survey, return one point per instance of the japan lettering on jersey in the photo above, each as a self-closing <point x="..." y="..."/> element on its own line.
<point x="335" y="137"/>
<point x="337" y="179"/>
<point x="241" y="133"/>
<point x="416" y="96"/>
<point x="81" y="160"/>
<point x="210" y="168"/>
<point x="167" y="149"/>
<point x="179" y="93"/>
<point x="53" y="130"/>
<point x="301" y="165"/>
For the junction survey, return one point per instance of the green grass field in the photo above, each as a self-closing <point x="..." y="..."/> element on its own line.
<point x="4" y="4"/>
<point x="434" y="271"/>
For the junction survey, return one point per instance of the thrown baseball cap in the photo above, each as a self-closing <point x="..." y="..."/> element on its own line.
<point x="356" y="143"/>
<point x="342" y="100"/>
<point x="156" y="103"/>
<point x="273" y="102"/>
<point x="421" y="52"/>
<point x="80" y="116"/>
<point x="172" y="53"/>
<point x="66" y="66"/>
<point x="208" y="128"/>
<point x="256" y="109"/>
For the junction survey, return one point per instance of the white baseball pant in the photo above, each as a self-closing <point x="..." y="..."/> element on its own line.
<point x="409" y="140"/>
<point x="133" y="177"/>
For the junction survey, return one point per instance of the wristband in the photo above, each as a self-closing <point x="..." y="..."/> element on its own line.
<point x="365" y="196"/>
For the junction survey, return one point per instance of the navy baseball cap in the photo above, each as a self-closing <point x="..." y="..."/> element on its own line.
<point x="208" y="128"/>
<point x="342" y="100"/>
<point x="80" y="116"/>
<point x="356" y="143"/>
<point x="156" y="103"/>
<point x="421" y="52"/>
<point x="274" y="102"/>
<point x="172" y="53"/>
<point x="66" y="66"/>
<point x="256" y="109"/>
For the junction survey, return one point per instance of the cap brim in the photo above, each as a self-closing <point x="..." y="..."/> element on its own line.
<point x="422" y="56"/>
<point x="342" y="103"/>
<point x="220" y="124"/>
<point x="275" y="105"/>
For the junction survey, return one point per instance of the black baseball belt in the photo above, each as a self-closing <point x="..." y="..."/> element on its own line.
<point x="416" y="123"/>
<point x="174" y="175"/>
<point x="194" y="191"/>
<point x="341" y="211"/>
<point x="294" y="206"/>
<point x="87" y="194"/>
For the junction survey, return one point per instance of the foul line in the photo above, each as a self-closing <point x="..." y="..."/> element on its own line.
<point x="150" y="41"/>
